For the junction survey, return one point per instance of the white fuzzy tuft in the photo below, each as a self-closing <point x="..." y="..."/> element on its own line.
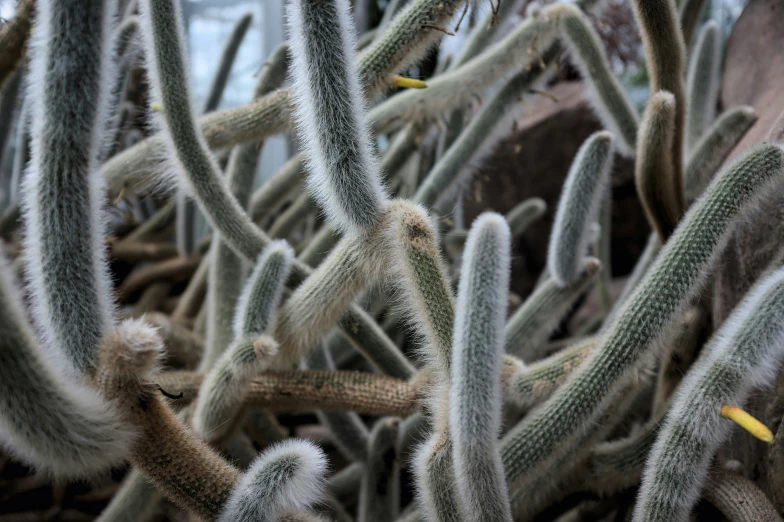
<point x="287" y="477"/>
<point x="585" y="186"/>
<point x="344" y="176"/>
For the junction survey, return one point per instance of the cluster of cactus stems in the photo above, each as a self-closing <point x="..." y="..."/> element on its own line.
<point x="336" y="263"/>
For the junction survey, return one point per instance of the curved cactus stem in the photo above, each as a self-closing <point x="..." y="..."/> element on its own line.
<point x="58" y="426"/>
<point x="475" y="391"/>
<point x="288" y="477"/>
<point x="531" y="324"/>
<point x="182" y="467"/>
<point x="578" y="208"/>
<point x="743" y="355"/>
<point x="714" y="147"/>
<point x="660" y="193"/>
<point x="401" y="45"/>
<point x="227" y="217"/>
<point x="702" y="83"/>
<point x="343" y="172"/>
<point x="553" y="430"/>
<point x="379" y="491"/>
<point x="665" y="52"/>
<point x="62" y="194"/>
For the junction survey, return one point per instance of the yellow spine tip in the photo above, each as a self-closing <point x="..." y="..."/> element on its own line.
<point x="747" y="422"/>
<point x="156" y="107"/>
<point x="407" y="83"/>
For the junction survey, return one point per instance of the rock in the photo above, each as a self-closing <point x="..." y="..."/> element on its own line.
<point x="754" y="67"/>
<point x="533" y="162"/>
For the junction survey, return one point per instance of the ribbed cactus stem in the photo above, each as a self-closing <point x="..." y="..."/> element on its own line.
<point x="262" y="293"/>
<point x="578" y="209"/>
<point x="55" y="425"/>
<point x="521" y="48"/>
<point x="665" y="52"/>
<point x="405" y="41"/>
<point x="287" y="478"/>
<point x="679" y="271"/>
<point x="343" y="175"/>
<point x="702" y="84"/>
<point x="662" y="198"/>
<point x="411" y="242"/>
<point x="182" y="467"/>
<point x="62" y="194"/>
<point x="475" y="393"/>
<point x="744" y="355"/>
<point x="163" y="33"/>
<point x="230" y="49"/>
<point x="714" y="147"/>
<point x="608" y="98"/>
<point x="346" y="429"/>
<point x="435" y="477"/>
<point x="226" y="271"/>
<point x="379" y="491"/>
<point x="492" y="122"/>
<point x="531" y="324"/>
<point x="689" y="16"/>
<point x="527" y="386"/>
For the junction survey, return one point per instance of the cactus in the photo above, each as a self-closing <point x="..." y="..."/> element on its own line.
<point x="660" y="196"/>
<point x="666" y="58"/>
<point x="287" y="477"/>
<point x="475" y="394"/>
<point x="528" y="448"/>
<point x="532" y="323"/>
<point x="226" y="267"/>
<point x="62" y="191"/>
<point x="586" y="185"/>
<point x="714" y="147"/>
<point x="703" y="83"/>
<point x="189" y="368"/>
<point x="59" y="427"/>
<point x="347" y="430"/>
<point x="344" y="176"/>
<point x="744" y="354"/>
<point x="379" y="492"/>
